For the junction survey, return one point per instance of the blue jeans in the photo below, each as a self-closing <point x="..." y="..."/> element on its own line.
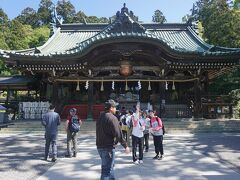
<point x="51" y="139"/>
<point x="107" y="156"/>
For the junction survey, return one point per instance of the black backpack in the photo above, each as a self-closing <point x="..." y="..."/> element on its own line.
<point x="123" y="120"/>
<point x="74" y="125"/>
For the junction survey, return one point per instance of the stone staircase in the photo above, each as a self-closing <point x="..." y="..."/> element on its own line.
<point x="34" y="126"/>
<point x="172" y="126"/>
<point x="202" y="126"/>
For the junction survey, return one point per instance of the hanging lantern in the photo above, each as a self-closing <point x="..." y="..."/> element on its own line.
<point x="162" y="72"/>
<point x="78" y="88"/>
<point x="89" y="72"/>
<point x="125" y="68"/>
<point x="53" y="71"/>
<point x="173" y="86"/>
<point x="126" y="87"/>
<point x="149" y="86"/>
<point x="166" y="85"/>
<point x="113" y="84"/>
<point x="199" y="71"/>
<point x="139" y="85"/>
<point x="102" y="88"/>
<point x="86" y="86"/>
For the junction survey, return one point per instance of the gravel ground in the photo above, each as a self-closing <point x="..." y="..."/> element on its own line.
<point x="21" y="155"/>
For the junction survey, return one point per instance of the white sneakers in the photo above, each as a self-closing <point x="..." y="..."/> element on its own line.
<point x="138" y="162"/>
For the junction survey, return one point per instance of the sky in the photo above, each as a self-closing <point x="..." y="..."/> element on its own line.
<point x="173" y="10"/>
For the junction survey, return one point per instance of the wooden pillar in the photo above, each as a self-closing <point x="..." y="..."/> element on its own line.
<point x="197" y="99"/>
<point x="207" y="84"/>
<point x="90" y="100"/>
<point x="55" y="93"/>
<point x="42" y="90"/>
<point x="230" y="111"/>
<point x="8" y="95"/>
<point x="162" y="93"/>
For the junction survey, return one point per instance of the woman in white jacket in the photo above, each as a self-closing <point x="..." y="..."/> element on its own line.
<point x="138" y="126"/>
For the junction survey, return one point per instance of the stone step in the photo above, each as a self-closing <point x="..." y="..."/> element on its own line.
<point x="170" y="126"/>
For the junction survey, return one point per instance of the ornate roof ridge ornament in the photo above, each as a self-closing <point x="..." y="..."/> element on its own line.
<point x="124" y="9"/>
<point x="57" y="20"/>
<point x="125" y="22"/>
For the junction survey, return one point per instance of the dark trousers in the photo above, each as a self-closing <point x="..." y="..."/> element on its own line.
<point x="146" y="141"/>
<point x="137" y="141"/>
<point x="158" y="143"/>
<point x="51" y="139"/>
<point x="107" y="156"/>
<point x="71" y="137"/>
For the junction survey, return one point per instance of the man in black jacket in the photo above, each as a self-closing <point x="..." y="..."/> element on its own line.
<point x="108" y="134"/>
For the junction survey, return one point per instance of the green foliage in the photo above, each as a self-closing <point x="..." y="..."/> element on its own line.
<point x="39" y="36"/>
<point x="221" y="26"/>
<point x="217" y="13"/>
<point x="80" y="17"/>
<point x="4" y="30"/>
<point x="186" y="18"/>
<point x="158" y="17"/>
<point x="236" y="110"/>
<point x="4" y="71"/>
<point x="45" y="12"/>
<point x="3" y="44"/>
<point x="3" y="17"/>
<point x="29" y="17"/>
<point x="66" y="9"/>
<point x="226" y="83"/>
<point x="235" y="95"/>
<point x="236" y="4"/>
<point x="19" y="35"/>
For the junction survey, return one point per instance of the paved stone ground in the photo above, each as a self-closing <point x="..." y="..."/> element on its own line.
<point x="224" y="147"/>
<point x="203" y="156"/>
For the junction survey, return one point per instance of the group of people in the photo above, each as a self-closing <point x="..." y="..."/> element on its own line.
<point x="140" y="132"/>
<point x="138" y="124"/>
<point x="110" y="130"/>
<point x="51" y="121"/>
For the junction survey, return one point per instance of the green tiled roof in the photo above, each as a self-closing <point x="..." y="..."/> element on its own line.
<point x="72" y="39"/>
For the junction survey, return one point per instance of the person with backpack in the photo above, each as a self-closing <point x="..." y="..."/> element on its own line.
<point x="157" y="131"/>
<point x="73" y="124"/>
<point x="124" y="127"/>
<point x="129" y="126"/>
